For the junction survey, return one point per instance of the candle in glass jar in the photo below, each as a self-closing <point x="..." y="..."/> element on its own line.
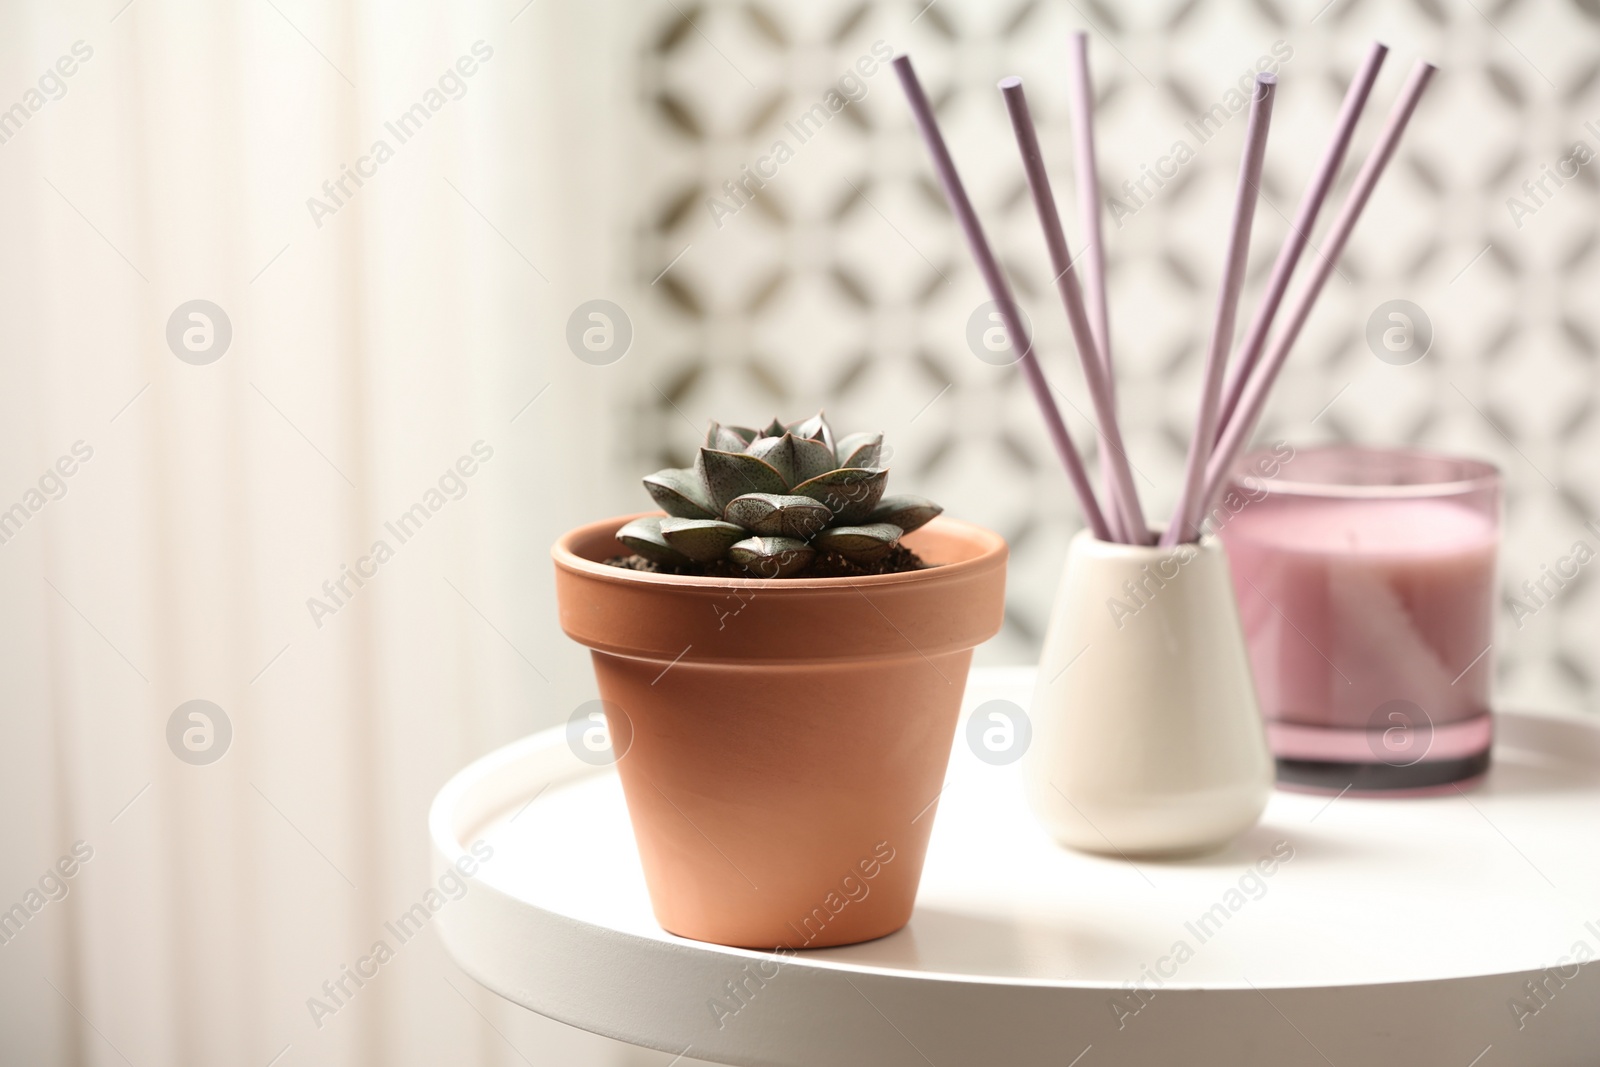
<point x="1365" y="581"/>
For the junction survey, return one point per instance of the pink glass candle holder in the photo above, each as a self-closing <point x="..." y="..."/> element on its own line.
<point x="1365" y="580"/>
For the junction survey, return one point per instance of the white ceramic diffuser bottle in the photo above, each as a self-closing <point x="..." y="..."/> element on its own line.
<point x="1147" y="737"/>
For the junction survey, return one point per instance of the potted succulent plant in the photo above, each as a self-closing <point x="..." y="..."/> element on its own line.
<point x="782" y="656"/>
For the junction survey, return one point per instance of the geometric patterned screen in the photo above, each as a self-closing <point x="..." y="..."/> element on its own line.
<point x="791" y="251"/>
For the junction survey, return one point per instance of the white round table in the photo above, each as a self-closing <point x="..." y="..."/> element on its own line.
<point x="1344" y="931"/>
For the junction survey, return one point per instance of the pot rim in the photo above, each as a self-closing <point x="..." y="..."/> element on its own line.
<point x="564" y="556"/>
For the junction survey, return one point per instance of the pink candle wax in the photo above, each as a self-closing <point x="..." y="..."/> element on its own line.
<point x="1366" y="591"/>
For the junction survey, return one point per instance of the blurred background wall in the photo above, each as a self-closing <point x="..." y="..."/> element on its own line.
<point x="372" y="318"/>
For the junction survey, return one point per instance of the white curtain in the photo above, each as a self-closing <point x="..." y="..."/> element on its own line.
<point x="382" y="332"/>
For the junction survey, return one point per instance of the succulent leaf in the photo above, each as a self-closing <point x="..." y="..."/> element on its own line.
<point x="798" y="459"/>
<point x="644" y="537"/>
<point x="813" y="457"/>
<point x="774" y="429"/>
<point x="679" y="491"/>
<point x="769" y="515"/>
<point x="860" y="449"/>
<point x="772" y="557"/>
<point x="905" y="511"/>
<point x="727" y="475"/>
<point x="816" y="428"/>
<point x="729" y="438"/>
<point x="702" y="540"/>
<point x="850" y="492"/>
<point x="860" y="543"/>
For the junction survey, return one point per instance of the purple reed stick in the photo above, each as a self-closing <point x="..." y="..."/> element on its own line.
<point x="1120" y="489"/>
<point x="1184" y="524"/>
<point x="1294" y="242"/>
<point x="1000" y="292"/>
<point x="1254" y="400"/>
<point x="1086" y="169"/>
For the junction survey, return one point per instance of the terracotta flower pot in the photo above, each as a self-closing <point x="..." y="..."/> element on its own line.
<point x="783" y="741"/>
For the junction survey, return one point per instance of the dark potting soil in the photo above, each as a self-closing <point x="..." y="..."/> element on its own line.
<point x="826" y="565"/>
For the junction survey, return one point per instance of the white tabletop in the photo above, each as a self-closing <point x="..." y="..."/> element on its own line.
<point x="1339" y="930"/>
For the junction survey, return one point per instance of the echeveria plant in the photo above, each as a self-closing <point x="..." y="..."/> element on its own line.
<point x="770" y="500"/>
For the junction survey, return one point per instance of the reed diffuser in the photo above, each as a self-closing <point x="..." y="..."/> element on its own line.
<point x="1148" y="738"/>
